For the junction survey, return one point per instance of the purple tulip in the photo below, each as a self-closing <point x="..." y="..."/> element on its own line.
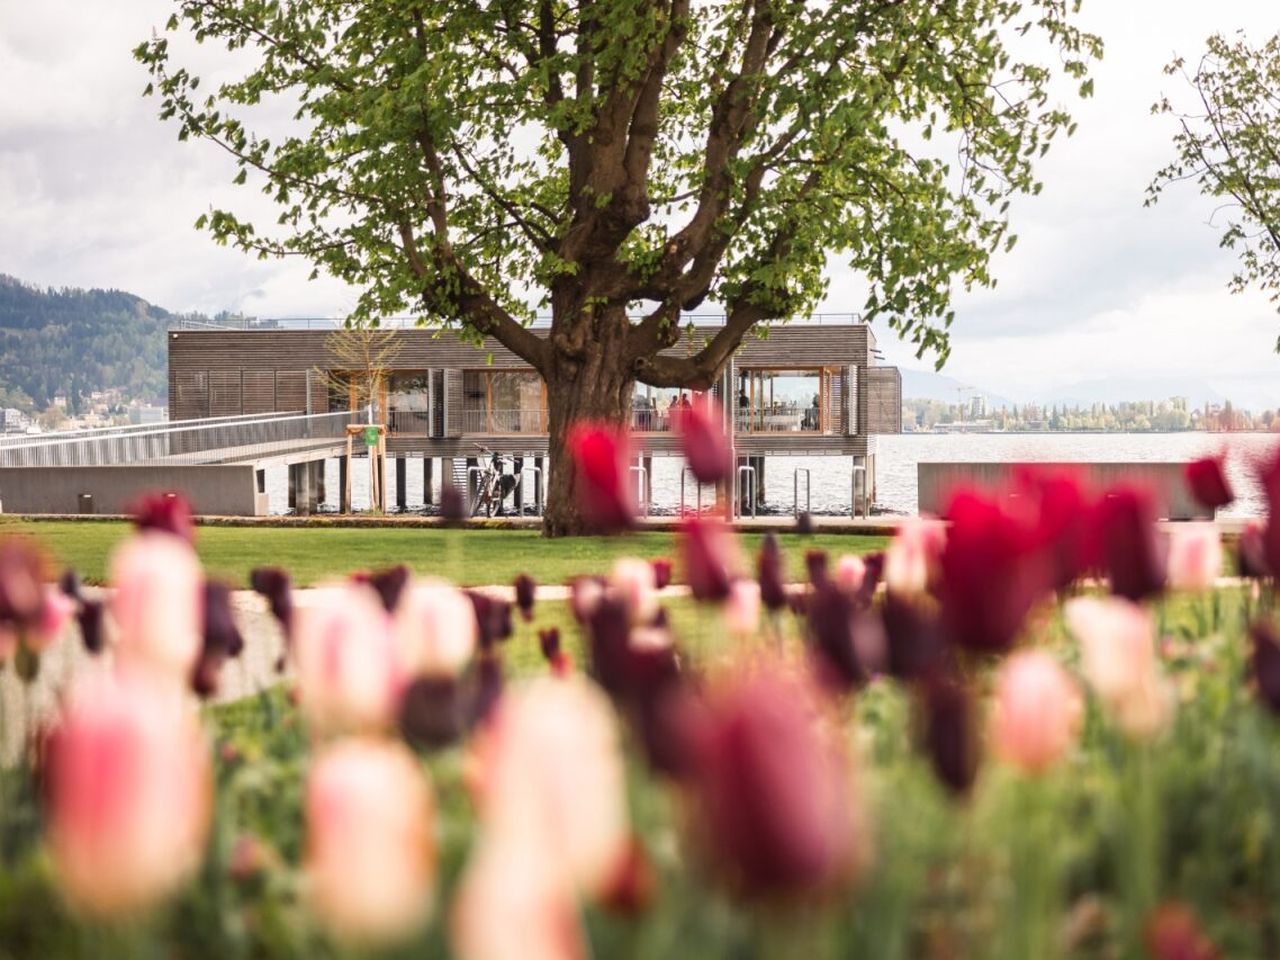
<point x="951" y="732"/>
<point x="710" y="556"/>
<point x="432" y="712"/>
<point x="526" y="590"/>
<point x="914" y="640"/>
<point x="274" y="584"/>
<point x="704" y="441"/>
<point x="773" y="588"/>
<point x="453" y="505"/>
<point x="1132" y="550"/>
<point x="815" y="562"/>
<point x="831" y="627"/>
<point x="1266" y="663"/>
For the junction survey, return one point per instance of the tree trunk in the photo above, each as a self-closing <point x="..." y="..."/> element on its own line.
<point x="594" y="384"/>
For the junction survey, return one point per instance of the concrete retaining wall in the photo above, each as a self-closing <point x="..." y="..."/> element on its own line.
<point x="212" y="489"/>
<point x="1165" y="480"/>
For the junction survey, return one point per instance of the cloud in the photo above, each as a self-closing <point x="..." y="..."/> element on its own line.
<point x="96" y="192"/>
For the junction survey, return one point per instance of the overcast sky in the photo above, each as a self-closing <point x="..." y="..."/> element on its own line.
<point x="94" y="191"/>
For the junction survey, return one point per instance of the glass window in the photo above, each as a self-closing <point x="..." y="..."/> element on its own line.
<point x="409" y="403"/>
<point x="779" y="401"/>
<point x="651" y="407"/>
<point x="503" y="401"/>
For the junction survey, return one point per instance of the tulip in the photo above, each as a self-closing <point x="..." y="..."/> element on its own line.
<point x="773" y="590"/>
<point x="1117" y="641"/>
<point x="436" y="628"/>
<point x="601" y="456"/>
<point x="661" y="572"/>
<point x="1132" y="550"/>
<point x="851" y="572"/>
<point x="389" y="584"/>
<point x="915" y="647"/>
<point x="770" y="785"/>
<point x="1037" y="711"/>
<point x="489" y="685"/>
<point x="90" y="621"/>
<point x="1207" y="480"/>
<point x="492" y="618"/>
<point x="274" y="584"/>
<point x="1251" y="552"/>
<point x="433" y="711"/>
<point x="165" y="513"/>
<point x="129" y="794"/>
<point x="158" y="604"/>
<point x="554" y="769"/>
<point x="804" y="524"/>
<point x="815" y="563"/>
<point x="742" y="609"/>
<point x="22" y="593"/>
<point x="584" y="594"/>
<point x="370" y="855"/>
<point x="950" y="732"/>
<point x="351" y="667"/>
<point x="55" y="613"/>
<point x="514" y="901"/>
<point x="710" y="556"/>
<point x="1268" y="470"/>
<point x="1265" y="664"/>
<point x="991" y="573"/>
<point x="636" y="583"/>
<point x="831" y="624"/>
<point x="704" y="442"/>
<point x="453" y="504"/>
<point x="220" y="639"/>
<point x="912" y="556"/>
<point x="549" y="644"/>
<point x="1174" y="932"/>
<point x="1063" y="508"/>
<point x="526" y="589"/>
<point x="1195" y="556"/>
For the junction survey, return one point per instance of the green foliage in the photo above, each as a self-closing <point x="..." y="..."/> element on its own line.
<point x="78" y="341"/>
<point x="1228" y="144"/>
<point x="473" y="162"/>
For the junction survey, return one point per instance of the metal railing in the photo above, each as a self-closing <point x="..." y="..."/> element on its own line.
<point x="126" y="429"/>
<point x="779" y="419"/>
<point x="503" y="421"/>
<point x="187" y="441"/>
<point x="539" y="322"/>
<point x="410" y="422"/>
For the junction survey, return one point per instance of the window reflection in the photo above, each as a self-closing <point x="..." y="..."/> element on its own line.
<point x="503" y="401"/>
<point x="780" y="401"/>
<point x="653" y="408"/>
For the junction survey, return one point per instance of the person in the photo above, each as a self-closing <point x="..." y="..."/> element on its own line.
<point x="684" y="402"/>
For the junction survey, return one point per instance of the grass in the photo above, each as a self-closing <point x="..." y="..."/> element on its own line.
<point x="469" y="557"/>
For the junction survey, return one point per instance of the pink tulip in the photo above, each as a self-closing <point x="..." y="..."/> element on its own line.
<point x="636" y="582"/>
<point x="1037" y="711"/>
<point x="128" y="794"/>
<point x="704" y="441"/>
<point x="351" y="668"/>
<point x="711" y="557"/>
<point x="851" y="571"/>
<point x="435" y="624"/>
<point x="55" y="614"/>
<point x="371" y="858"/>
<point x="158" y="603"/>
<point x="912" y="557"/>
<point x="1195" y="556"/>
<point x="1117" y="639"/>
<point x="554" y="771"/>
<point x="742" y="609"/>
<point x="514" y="902"/>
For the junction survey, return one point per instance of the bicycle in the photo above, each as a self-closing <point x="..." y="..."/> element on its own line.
<point x="493" y="486"/>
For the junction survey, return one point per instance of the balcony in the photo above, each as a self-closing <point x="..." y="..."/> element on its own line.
<point x="503" y="421"/>
<point x="415" y="423"/>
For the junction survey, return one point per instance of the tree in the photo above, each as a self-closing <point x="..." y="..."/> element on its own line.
<point x="619" y="162"/>
<point x="1228" y="143"/>
<point x="360" y="358"/>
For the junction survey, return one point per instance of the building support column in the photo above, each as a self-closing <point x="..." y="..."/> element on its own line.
<point x="344" y="496"/>
<point x="539" y="480"/>
<point x="471" y="482"/>
<point x="318" y="483"/>
<point x="517" y="464"/>
<point x="758" y="463"/>
<point x="427" y="498"/>
<point x="402" y="483"/>
<point x="647" y="463"/>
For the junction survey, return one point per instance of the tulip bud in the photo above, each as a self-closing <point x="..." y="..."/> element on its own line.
<point x="773" y="588"/>
<point x="1251" y="553"/>
<point x="742" y="609"/>
<point x="851" y="572"/>
<point x="274" y="584"/>
<point x="1266" y="663"/>
<point x="1037" y="711"/>
<point x="128" y="794"/>
<point x="912" y="556"/>
<point x="1173" y="932"/>
<point x="436" y="627"/>
<point x="710" y="556"/>
<point x="158" y="604"/>
<point x="370" y="857"/>
<point x="1207" y="480"/>
<point x="526" y="590"/>
<point x="389" y="585"/>
<point x="165" y="513"/>
<point x="601" y="456"/>
<point x="636" y="583"/>
<point x="351" y="669"/>
<point x="815" y="562"/>
<point x="1133" y="553"/>
<point x="1195" y="556"/>
<point x="704" y="441"/>
<point x="661" y="573"/>
<point x="453" y="504"/>
<point x="21" y="583"/>
<point x="950" y="732"/>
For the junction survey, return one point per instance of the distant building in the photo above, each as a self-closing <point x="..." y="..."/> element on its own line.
<point x="148" y="414"/>
<point x="977" y="406"/>
<point x="13" y="421"/>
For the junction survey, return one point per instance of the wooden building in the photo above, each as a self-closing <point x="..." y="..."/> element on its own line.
<point x="806" y="389"/>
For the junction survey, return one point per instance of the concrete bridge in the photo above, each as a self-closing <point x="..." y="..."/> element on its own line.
<point x="218" y="463"/>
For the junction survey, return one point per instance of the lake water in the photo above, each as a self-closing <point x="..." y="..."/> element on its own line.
<point x="896" y="462"/>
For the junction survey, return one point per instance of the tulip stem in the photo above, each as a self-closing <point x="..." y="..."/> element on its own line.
<point x="1140" y="855"/>
<point x="1033" y="873"/>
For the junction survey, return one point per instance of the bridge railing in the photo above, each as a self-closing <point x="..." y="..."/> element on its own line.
<point x="183" y="441"/>
<point x="11" y="440"/>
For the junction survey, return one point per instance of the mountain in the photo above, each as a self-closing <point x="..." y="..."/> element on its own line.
<point x="927" y="385"/>
<point x="74" y="342"/>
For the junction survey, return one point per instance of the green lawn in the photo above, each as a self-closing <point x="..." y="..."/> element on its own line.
<point x="313" y="554"/>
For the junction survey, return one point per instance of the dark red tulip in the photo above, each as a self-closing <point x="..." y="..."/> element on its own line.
<point x="90" y="618"/>
<point x="630" y="674"/>
<point x="709" y="557"/>
<point x="584" y="594"/>
<point x="166" y="512"/>
<point x="549" y="644"/>
<point x="815" y="562"/>
<point x="1268" y="469"/>
<point x="661" y="572"/>
<point x="1207" y="480"/>
<point x="493" y="618"/>
<point x="704" y="441"/>
<point x="602" y="458"/>
<point x="1173" y="932"/>
<point x="453" y="504"/>
<point x="221" y="639"/>
<point x="1062" y="506"/>
<point x="1251" y="552"/>
<point x="433" y="712"/>
<point x="526" y="591"/>
<point x="274" y="584"/>
<point x="773" y="586"/>
<point x="488" y="687"/>
<point x="1266" y="663"/>
<point x="831" y="628"/>
<point x="914" y="640"/>
<point x="389" y="584"/>
<point x="771" y="789"/>
<point x="991" y="573"/>
<point x="70" y="585"/>
<point x="950" y="731"/>
<point x="873" y="573"/>
<point x="1132" y="551"/>
<point x="21" y="582"/>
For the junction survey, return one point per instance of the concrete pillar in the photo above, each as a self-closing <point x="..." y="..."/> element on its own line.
<point x="261" y="477"/>
<point x="402" y="482"/>
<point x="427" y="498"/>
<point x="344" y="502"/>
<point x="318" y="482"/>
<point x="517" y="464"/>
<point x="758" y="463"/>
<point x="300" y="490"/>
<point x="647" y="463"/>
<point x="293" y="487"/>
<point x="538" y="492"/>
<point x="471" y="481"/>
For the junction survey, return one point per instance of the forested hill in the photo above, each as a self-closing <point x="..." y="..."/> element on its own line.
<point x="73" y="342"/>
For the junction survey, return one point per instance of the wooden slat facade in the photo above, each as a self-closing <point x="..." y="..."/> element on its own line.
<point x="227" y="372"/>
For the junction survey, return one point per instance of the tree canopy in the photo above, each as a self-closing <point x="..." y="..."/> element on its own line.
<point x="479" y="162"/>
<point x="1228" y="144"/>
